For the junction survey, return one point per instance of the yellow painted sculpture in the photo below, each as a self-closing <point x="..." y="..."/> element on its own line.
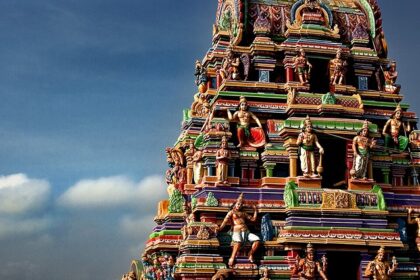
<point x="379" y="269"/>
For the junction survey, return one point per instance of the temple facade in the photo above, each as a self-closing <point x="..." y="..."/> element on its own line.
<point x="298" y="158"/>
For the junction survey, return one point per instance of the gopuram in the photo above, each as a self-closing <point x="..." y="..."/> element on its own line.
<point x="298" y="158"/>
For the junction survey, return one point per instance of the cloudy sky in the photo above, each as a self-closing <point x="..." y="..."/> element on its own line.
<point x="92" y="92"/>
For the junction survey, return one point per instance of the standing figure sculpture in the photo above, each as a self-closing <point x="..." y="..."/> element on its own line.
<point x="302" y="67"/>
<point x="412" y="221"/>
<point x="189" y="154"/>
<point x="201" y="78"/>
<point x="391" y="76"/>
<point x="307" y="141"/>
<point x="338" y="67"/>
<point x="395" y="130"/>
<point x="379" y="269"/>
<point x="308" y="268"/>
<point x="222" y="162"/>
<point x="361" y="150"/>
<point x="247" y="136"/>
<point x="241" y="235"/>
<point x="230" y="67"/>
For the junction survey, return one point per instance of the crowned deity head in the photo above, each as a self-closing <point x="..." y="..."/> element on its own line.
<point x="365" y="129"/>
<point x="398" y="112"/>
<point x="239" y="202"/>
<point x="243" y="103"/>
<point x="310" y="252"/>
<point x="307" y="125"/>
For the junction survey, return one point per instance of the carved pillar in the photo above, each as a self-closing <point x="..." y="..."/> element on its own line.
<point x="385" y="174"/>
<point x="292" y="149"/>
<point x="269" y="168"/>
<point x="370" y="170"/>
<point x="289" y="67"/>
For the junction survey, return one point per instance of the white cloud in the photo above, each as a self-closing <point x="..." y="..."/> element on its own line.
<point x="20" y="194"/>
<point x="113" y="192"/>
<point x="16" y="226"/>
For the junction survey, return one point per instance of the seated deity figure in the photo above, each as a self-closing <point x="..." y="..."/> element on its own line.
<point x="395" y="130"/>
<point x="391" y="76"/>
<point x="338" y="67"/>
<point x="302" y="67"/>
<point x="222" y="162"/>
<point x="412" y="221"/>
<point x="379" y="269"/>
<point x="308" y="268"/>
<point x="361" y="150"/>
<point x="237" y="217"/>
<point x="307" y="141"/>
<point x="247" y="136"/>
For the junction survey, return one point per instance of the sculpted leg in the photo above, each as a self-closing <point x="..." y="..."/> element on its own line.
<point x="236" y="247"/>
<point x="254" y="248"/>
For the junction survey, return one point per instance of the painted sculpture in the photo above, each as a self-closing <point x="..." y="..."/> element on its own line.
<point x="395" y="131"/>
<point x="361" y="151"/>
<point x="340" y="81"/>
<point x="247" y="136"/>
<point x="238" y="218"/>
<point x="379" y="269"/>
<point x="302" y="67"/>
<point x="230" y="67"/>
<point x="265" y="274"/>
<point x="307" y="141"/>
<point x="391" y="76"/>
<point x="338" y="68"/>
<point x="308" y="268"/>
<point x="222" y="162"/>
<point x="414" y="221"/>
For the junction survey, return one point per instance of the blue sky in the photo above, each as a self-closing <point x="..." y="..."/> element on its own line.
<point x="92" y="92"/>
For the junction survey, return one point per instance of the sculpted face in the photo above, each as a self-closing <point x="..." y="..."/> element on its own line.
<point x="365" y="132"/>
<point x="243" y="106"/>
<point x="310" y="255"/>
<point x="224" y="144"/>
<point x="308" y="127"/>
<point x="398" y="115"/>
<point x="381" y="256"/>
<point x="238" y="206"/>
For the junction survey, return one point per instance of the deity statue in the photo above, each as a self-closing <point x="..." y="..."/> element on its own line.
<point x="176" y="176"/>
<point x="395" y="130"/>
<point x="247" y="136"/>
<point x="241" y="235"/>
<point x="338" y="67"/>
<point x="379" y="269"/>
<point x="168" y="268"/>
<point x="265" y="274"/>
<point x="222" y="162"/>
<point x="391" y="76"/>
<point x="361" y="150"/>
<point x="198" y="166"/>
<point x="230" y="67"/>
<point x="189" y="154"/>
<point x="412" y="221"/>
<point x="308" y="268"/>
<point x="302" y="67"/>
<point x="307" y="141"/>
<point x="201" y="78"/>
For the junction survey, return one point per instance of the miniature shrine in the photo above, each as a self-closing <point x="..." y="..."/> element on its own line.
<point x="297" y="159"/>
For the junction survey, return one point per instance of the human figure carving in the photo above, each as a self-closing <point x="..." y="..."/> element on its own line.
<point x="238" y="218"/>
<point x="222" y="162"/>
<point x="307" y="141"/>
<point x="412" y="221"/>
<point x="308" y="268"/>
<point x="391" y="76"/>
<point x="338" y="66"/>
<point x="395" y="130"/>
<point x="302" y="67"/>
<point x="361" y="150"/>
<point x="379" y="269"/>
<point x="247" y="136"/>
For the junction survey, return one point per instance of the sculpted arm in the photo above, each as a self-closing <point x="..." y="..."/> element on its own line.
<point x="253" y="218"/>
<point x="410" y="219"/>
<point x="354" y="146"/>
<point x="226" y="220"/>
<point x="321" y="150"/>
<point x="321" y="272"/>
<point x="384" y="131"/>
<point x="254" y="117"/>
